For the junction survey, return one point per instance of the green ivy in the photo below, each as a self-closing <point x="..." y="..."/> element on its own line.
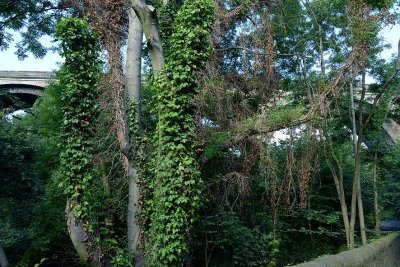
<point x="176" y="185"/>
<point x="78" y="77"/>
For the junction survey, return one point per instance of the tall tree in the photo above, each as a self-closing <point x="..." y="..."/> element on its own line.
<point x="176" y="183"/>
<point x="78" y="78"/>
<point x="133" y="88"/>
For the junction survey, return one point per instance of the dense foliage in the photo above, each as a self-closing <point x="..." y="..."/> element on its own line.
<point x="259" y="136"/>
<point x="176" y="183"/>
<point x="78" y="78"/>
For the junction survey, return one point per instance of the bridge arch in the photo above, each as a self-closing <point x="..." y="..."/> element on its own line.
<point x="25" y="85"/>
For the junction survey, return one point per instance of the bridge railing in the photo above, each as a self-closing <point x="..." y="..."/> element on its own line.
<point x="384" y="252"/>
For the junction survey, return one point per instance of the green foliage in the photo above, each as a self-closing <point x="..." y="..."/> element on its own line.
<point x="78" y="78"/>
<point x="18" y="184"/>
<point x="166" y="19"/>
<point x="284" y="115"/>
<point x="380" y="4"/>
<point x="176" y="184"/>
<point x="48" y="113"/>
<point x="32" y="205"/>
<point x="213" y="147"/>
<point x="33" y="18"/>
<point x="230" y="241"/>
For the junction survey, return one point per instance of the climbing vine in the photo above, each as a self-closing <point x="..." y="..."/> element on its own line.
<point x="78" y="77"/>
<point x="176" y="185"/>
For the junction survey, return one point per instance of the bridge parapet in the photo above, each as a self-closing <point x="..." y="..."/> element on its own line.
<point x="31" y="78"/>
<point x="384" y="252"/>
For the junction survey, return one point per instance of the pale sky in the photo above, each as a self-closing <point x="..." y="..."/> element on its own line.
<point x="391" y="35"/>
<point x="9" y="60"/>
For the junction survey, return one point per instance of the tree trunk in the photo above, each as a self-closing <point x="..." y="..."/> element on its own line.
<point x="321" y="51"/>
<point x="132" y="86"/>
<point x="358" y="160"/>
<point x="353" y="207"/>
<point x="356" y="198"/>
<point x="81" y="239"/>
<point x="337" y="174"/>
<point x="354" y="134"/>
<point x="148" y="18"/>
<point x="353" y="117"/>
<point x="360" y="203"/>
<point x="3" y="258"/>
<point x="376" y="202"/>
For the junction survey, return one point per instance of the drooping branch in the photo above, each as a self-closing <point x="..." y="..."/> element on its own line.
<point x="313" y="110"/>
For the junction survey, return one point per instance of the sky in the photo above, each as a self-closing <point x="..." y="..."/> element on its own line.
<point x="9" y="60"/>
<point x="52" y="61"/>
<point x="391" y="35"/>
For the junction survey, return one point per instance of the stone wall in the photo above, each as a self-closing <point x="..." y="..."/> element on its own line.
<point x="384" y="252"/>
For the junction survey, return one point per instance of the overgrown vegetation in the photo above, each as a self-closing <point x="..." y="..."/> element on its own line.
<point x="252" y="140"/>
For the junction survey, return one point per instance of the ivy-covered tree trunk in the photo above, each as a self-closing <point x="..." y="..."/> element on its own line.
<point x="176" y="184"/>
<point x="78" y="79"/>
<point x="80" y="237"/>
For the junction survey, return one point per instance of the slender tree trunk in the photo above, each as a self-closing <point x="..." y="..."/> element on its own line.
<point x="321" y="51"/>
<point x="358" y="166"/>
<point x="337" y="174"/>
<point x="3" y="258"/>
<point x="342" y="200"/>
<point x="356" y="199"/>
<point x="359" y="200"/>
<point x="376" y="201"/>
<point x="353" y="209"/>
<point x="354" y="134"/>
<point x="355" y="183"/>
<point x="132" y="86"/>
<point x="353" y="117"/>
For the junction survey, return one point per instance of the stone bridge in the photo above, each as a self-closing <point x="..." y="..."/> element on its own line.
<point x="384" y="252"/>
<point x="26" y="85"/>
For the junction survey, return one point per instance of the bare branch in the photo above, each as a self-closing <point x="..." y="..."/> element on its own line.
<point x="259" y="53"/>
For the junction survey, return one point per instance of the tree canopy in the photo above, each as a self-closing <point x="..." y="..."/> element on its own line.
<point x="237" y="133"/>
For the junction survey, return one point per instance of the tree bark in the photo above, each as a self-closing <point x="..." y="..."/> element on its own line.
<point x="362" y="126"/>
<point x="81" y="239"/>
<point x="358" y="163"/>
<point x="356" y="198"/>
<point x="3" y="258"/>
<point x="376" y="195"/>
<point x="337" y="174"/>
<point x="132" y="86"/>
<point x="321" y="51"/>
<point x="148" y="18"/>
